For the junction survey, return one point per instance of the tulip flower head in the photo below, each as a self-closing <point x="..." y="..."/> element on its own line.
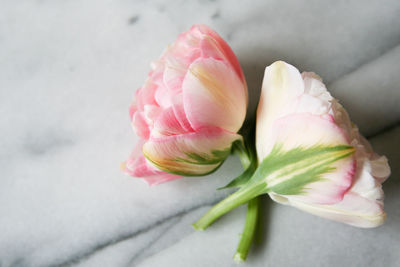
<point x="330" y="170"/>
<point x="189" y="110"/>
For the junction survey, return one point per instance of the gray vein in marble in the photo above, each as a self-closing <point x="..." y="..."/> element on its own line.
<point x="385" y="51"/>
<point x="378" y="111"/>
<point x="367" y="62"/>
<point x="141" y="254"/>
<point x="91" y="251"/>
<point x="177" y="231"/>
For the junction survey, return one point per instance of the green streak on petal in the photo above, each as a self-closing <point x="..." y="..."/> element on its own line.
<point x="289" y="172"/>
<point x="173" y="167"/>
<point x="296" y="184"/>
<point x="215" y="157"/>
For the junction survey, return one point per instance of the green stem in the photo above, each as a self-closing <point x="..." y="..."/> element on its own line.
<point x="244" y="156"/>
<point x="249" y="230"/>
<point x="236" y="199"/>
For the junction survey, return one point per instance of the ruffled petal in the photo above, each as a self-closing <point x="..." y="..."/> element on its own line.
<point x="145" y="95"/>
<point x="163" y="97"/>
<point x="180" y="115"/>
<point x="380" y="168"/>
<point x="190" y="154"/>
<point x="213" y="95"/>
<point x="167" y="124"/>
<point x="140" y="125"/>
<point x="174" y="73"/>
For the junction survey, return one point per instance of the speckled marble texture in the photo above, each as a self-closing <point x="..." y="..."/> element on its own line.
<point x="68" y="71"/>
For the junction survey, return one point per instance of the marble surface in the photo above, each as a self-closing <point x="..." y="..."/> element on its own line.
<point x="68" y="70"/>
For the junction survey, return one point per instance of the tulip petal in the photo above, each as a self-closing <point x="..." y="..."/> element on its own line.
<point x="190" y="154"/>
<point x="167" y="123"/>
<point x="174" y="73"/>
<point x="163" y="97"/>
<point x="282" y="86"/>
<point x="213" y="95"/>
<point x="180" y="115"/>
<point x="137" y="166"/>
<point x="219" y="44"/>
<point x="145" y="95"/>
<point x="309" y="131"/>
<point x="140" y="126"/>
<point x="353" y="209"/>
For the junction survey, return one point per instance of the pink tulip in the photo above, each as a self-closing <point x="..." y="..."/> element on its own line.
<point x="296" y="110"/>
<point x="189" y="110"/>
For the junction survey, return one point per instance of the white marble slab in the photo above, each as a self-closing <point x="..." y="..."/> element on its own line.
<point x="68" y="70"/>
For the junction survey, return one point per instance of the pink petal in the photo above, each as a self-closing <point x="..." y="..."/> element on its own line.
<point x="132" y="109"/>
<point x="213" y="95"/>
<point x="151" y="113"/>
<point x="137" y="166"/>
<point x="174" y="73"/>
<point x="160" y="178"/>
<point x="140" y="126"/>
<point x="222" y="46"/>
<point x="163" y="97"/>
<point x="188" y="154"/>
<point x="180" y="115"/>
<point x="146" y="95"/>
<point x="167" y="123"/>
<point x="307" y="130"/>
<point x="353" y="209"/>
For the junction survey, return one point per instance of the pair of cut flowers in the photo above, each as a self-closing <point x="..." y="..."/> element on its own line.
<point x="307" y="153"/>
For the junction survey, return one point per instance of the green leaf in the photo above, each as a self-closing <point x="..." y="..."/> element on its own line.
<point x="248" y="157"/>
<point x="242" y="178"/>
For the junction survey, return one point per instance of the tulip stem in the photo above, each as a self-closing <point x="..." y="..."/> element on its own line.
<point x="236" y="199"/>
<point x="248" y="158"/>
<point x="244" y="154"/>
<point x="249" y="230"/>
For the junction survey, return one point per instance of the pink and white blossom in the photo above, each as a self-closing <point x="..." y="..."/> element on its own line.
<point x="296" y="110"/>
<point x="189" y="110"/>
